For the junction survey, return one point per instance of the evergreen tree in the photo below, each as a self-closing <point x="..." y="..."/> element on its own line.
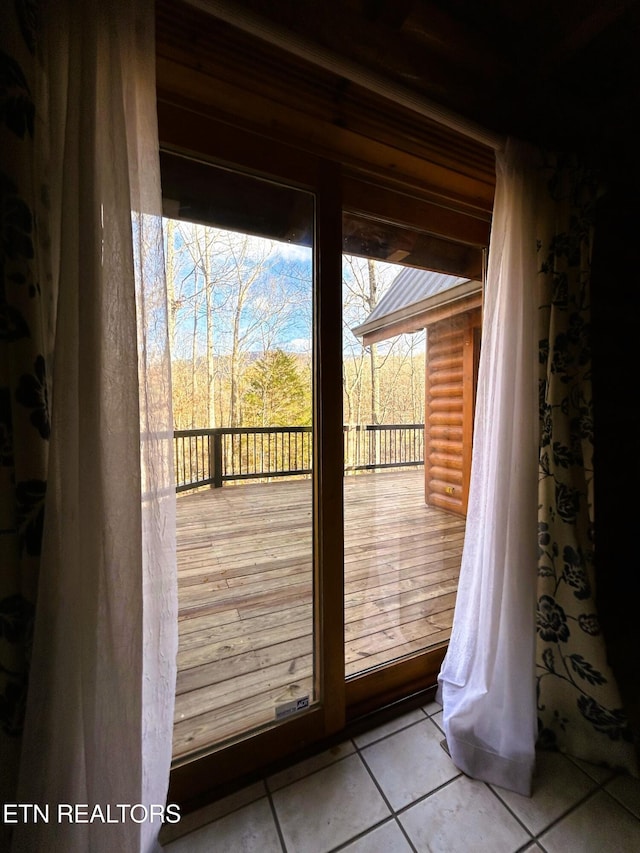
<point x="277" y="394"/>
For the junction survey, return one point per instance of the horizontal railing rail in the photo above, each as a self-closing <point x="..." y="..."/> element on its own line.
<point x="372" y="446"/>
<point x="212" y="457"/>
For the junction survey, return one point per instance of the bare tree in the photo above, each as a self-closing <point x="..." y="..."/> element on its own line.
<point x="233" y="297"/>
<point x="364" y="281"/>
<point x="170" y="256"/>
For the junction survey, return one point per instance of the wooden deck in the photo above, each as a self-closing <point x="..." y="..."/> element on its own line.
<point x="245" y="593"/>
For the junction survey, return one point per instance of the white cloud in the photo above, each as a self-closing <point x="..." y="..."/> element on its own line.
<point x="293" y="251"/>
<point x="298" y="345"/>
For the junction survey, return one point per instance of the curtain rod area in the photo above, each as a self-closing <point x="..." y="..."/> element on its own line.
<point x="258" y="26"/>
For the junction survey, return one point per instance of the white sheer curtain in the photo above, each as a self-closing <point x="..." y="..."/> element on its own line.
<point x="486" y="684"/>
<point x="100" y="702"/>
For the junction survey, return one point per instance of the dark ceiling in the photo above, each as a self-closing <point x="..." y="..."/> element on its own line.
<point x="557" y="72"/>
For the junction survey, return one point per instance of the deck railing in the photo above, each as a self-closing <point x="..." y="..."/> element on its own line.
<point x="211" y="457"/>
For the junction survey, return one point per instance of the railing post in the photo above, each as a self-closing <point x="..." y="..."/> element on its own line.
<point x="215" y="459"/>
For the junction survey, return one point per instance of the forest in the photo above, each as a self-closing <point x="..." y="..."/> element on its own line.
<point x="240" y="325"/>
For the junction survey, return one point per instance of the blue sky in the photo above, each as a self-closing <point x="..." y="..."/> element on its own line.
<point x="277" y="312"/>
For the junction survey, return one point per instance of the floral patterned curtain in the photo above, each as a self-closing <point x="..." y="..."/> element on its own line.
<point x="579" y="707"/>
<point x="24" y="357"/>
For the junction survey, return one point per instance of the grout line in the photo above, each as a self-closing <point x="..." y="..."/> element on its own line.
<point x="527" y="844"/>
<point x="362" y="834"/>
<point x="276" y="821"/>
<point x="597" y="788"/>
<point x="601" y="783"/>
<point x="569" y="811"/>
<point x="603" y="788"/>
<point x="620" y="803"/>
<point x="395" y="814"/>
<point x="532" y="835"/>
<point x="406" y="834"/>
<point x="438" y="726"/>
<point x="402" y="809"/>
<point x="536" y="836"/>
<point x="202" y="821"/>
<point x="310" y="773"/>
<point x="426" y="796"/>
<point x="394" y="732"/>
<point x="376" y="783"/>
<point x="388" y="820"/>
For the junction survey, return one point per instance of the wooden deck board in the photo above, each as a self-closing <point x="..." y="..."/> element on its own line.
<point x="245" y="593"/>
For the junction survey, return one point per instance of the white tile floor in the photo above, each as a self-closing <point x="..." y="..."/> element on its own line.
<point x="394" y="790"/>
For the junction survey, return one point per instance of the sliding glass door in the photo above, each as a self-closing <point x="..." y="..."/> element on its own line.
<point x="323" y="389"/>
<point x="410" y="347"/>
<point x="240" y="268"/>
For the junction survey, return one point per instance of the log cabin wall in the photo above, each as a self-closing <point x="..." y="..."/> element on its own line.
<point x="450" y="386"/>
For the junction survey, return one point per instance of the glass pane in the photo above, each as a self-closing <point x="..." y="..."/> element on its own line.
<point x="241" y="291"/>
<point x="410" y="346"/>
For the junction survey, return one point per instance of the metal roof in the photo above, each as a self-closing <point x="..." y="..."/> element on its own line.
<point x="412" y="292"/>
